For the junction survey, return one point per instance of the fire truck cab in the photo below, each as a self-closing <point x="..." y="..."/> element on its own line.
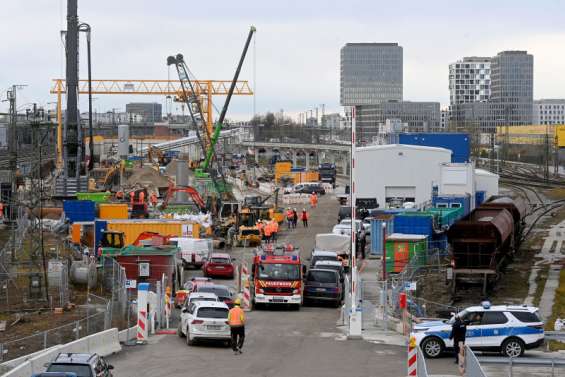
<point x="276" y="276"/>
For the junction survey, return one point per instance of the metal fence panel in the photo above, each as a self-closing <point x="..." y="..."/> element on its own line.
<point x="421" y="368"/>
<point x="472" y="366"/>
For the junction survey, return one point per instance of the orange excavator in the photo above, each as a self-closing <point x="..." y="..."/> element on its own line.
<point x="196" y="198"/>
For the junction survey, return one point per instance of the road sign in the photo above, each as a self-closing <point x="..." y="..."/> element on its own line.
<point x="410" y="285"/>
<point x="131" y="283"/>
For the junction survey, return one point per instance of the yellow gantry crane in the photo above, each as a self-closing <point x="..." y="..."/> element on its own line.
<point x="204" y="89"/>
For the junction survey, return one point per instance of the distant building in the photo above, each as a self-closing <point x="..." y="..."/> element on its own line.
<point x="444" y="119"/>
<point x="549" y="111"/>
<point x="419" y="117"/>
<point x="370" y="73"/>
<point x="476" y="107"/>
<point x="332" y="121"/>
<point x="150" y="112"/>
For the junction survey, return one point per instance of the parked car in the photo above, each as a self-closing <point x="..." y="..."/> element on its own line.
<point x="308" y="188"/>
<point x="366" y="224"/>
<point x="201" y="296"/>
<point x="320" y="255"/>
<point x="224" y="293"/>
<point x="81" y="364"/>
<point x="195" y="281"/>
<point x="322" y="285"/>
<point x="507" y="329"/>
<point x="344" y="213"/>
<point x="219" y="265"/>
<point x="331" y="265"/>
<point x="204" y="320"/>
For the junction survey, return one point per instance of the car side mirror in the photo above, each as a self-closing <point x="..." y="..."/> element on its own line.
<point x="110" y="367"/>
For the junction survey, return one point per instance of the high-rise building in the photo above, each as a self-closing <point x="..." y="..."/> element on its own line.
<point x="150" y="112"/>
<point x="549" y="111"/>
<point x="444" y="119"/>
<point x="371" y="73"/>
<point x="418" y="116"/>
<point x="469" y="80"/>
<point x="480" y="103"/>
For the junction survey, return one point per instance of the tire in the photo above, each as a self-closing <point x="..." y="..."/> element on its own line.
<point x="189" y="342"/>
<point x="513" y="347"/>
<point x="432" y="347"/>
<point x="179" y="331"/>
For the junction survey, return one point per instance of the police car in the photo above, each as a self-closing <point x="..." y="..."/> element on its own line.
<point x="506" y="329"/>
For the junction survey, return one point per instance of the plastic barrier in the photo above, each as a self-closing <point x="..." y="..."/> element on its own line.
<point x="296" y="198"/>
<point x="103" y="343"/>
<point x="127" y="334"/>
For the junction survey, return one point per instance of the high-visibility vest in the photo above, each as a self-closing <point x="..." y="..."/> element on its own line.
<point x="141" y="197"/>
<point x="260" y="226"/>
<point x="289" y="214"/>
<point x="236" y="317"/>
<point x="1" y="209"/>
<point x="275" y="226"/>
<point x="268" y="229"/>
<point x="304" y="215"/>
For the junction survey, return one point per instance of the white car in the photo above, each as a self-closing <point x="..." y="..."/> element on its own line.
<point x="201" y="296"/>
<point x="204" y="320"/>
<point x="505" y="328"/>
<point x="347" y="223"/>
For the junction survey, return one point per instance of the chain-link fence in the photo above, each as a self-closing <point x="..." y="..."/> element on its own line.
<point x="96" y="318"/>
<point x="114" y="285"/>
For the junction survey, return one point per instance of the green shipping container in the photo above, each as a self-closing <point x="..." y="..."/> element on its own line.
<point x="401" y="248"/>
<point x="447" y="216"/>
<point x="97" y="197"/>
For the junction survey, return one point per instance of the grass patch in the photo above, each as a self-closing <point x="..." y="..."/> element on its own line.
<point x="555" y="194"/>
<point x="558" y="311"/>
<point x="541" y="278"/>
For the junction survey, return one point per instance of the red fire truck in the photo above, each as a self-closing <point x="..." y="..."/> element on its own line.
<point x="276" y="276"/>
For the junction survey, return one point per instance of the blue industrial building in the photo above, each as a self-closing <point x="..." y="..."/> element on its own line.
<point x="458" y="143"/>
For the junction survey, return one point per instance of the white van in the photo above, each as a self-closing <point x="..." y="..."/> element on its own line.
<point x="193" y="251"/>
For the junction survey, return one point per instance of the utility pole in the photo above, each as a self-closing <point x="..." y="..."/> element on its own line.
<point x="317" y="124"/>
<point x="546" y="154"/>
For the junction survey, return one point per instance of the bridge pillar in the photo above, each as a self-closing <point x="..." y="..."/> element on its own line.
<point x="294" y="158"/>
<point x="307" y="160"/>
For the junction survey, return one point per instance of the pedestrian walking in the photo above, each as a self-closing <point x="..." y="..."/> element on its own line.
<point x="458" y="330"/>
<point x="236" y="320"/>
<point x="304" y="218"/>
<point x="153" y="199"/>
<point x="275" y="230"/>
<point x="294" y="218"/>
<point x="289" y="217"/>
<point x="268" y="229"/>
<point x="313" y="200"/>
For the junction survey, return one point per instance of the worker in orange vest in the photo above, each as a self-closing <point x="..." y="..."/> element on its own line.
<point x="131" y="197"/>
<point x="236" y="320"/>
<point x="153" y="199"/>
<point x="275" y="226"/>
<point x="304" y="218"/>
<point x="120" y="195"/>
<point x="313" y="200"/>
<point x="261" y="228"/>
<point x="1" y="210"/>
<point x="289" y="217"/>
<point x="141" y="197"/>
<point x="268" y="229"/>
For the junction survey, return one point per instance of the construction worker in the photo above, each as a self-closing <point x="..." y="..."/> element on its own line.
<point x="131" y="197"/>
<point x="141" y="197"/>
<point x="268" y="229"/>
<point x="261" y="228"/>
<point x="120" y="195"/>
<point x="289" y="217"/>
<point x="236" y="320"/>
<point x="153" y="199"/>
<point x="304" y="218"/>
<point x="294" y="217"/>
<point x="275" y="226"/>
<point x="313" y="200"/>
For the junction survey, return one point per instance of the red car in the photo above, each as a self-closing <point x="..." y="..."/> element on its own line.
<point x="219" y="265"/>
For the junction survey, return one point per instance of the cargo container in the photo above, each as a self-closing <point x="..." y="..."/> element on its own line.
<point x="401" y="248"/>
<point x="446" y="216"/>
<point x="377" y="232"/>
<point x="82" y="233"/>
<point x="79" y="210"/>
<point x="457" y="179"/>
<point x="454" y="201"/>
<point x="415" y="223"/>
<point x="97" y="197"/>
<point x="112" y="211"/>
<point x="458" y="143"/>
<point x="133" y="228"/>
<point x="479" y="198"/>
<point x="283" y="166"/>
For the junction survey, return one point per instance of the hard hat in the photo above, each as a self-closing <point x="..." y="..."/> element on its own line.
<point x="237" y="302"/>
<point x="304" y="209"/>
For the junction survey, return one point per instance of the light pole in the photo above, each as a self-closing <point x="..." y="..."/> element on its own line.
<point x="86" y="28"/>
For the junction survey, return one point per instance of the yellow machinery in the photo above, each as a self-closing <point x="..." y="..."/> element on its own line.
<point x="249" y="234"/>
<point x="204" y="89"/>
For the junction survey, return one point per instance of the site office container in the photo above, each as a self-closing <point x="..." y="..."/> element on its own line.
<point x="457" y="143"/>
<point x="377" y="232"/>
<point x="133" y="228"/>
<point x="79" y="210"/>
<point x="113" y="211"/>
<point x="416" y="222"/>
<point x="453" y="201"/>
<point x="148" y="264"/>
<point x="479" y="198"/>
<point x="299" y="176"/>
<point x="283" y="167"/>
<point x="82" y="232"/>
<point x="401" y="248"/>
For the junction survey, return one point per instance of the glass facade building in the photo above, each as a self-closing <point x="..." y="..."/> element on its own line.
<point x="371" y="73"/>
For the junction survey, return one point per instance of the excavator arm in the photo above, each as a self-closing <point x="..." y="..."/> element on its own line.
<point x="196" y="198"/>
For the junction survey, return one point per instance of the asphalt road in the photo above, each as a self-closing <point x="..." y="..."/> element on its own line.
<point x="279" y="342"/>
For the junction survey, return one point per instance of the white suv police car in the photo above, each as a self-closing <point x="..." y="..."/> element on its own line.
<point x="506" y="329"/>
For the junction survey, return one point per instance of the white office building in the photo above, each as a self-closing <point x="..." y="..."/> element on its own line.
<point x="470" y="80"/>
<point x="549" y="111"/>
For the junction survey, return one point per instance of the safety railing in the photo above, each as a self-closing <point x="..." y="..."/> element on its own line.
<point x="472" y="365"/>
<point x="527" y="362"/>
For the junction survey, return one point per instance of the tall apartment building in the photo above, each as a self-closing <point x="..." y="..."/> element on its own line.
<point x="150" y="112"/>
<point x="549" y="111"/>
<point x="418" y="116"/>
<point x="371" y="73"/>
<point x="444" y="119"/>
<point x="482" y="103"/>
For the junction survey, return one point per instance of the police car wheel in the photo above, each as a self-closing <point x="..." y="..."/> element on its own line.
<point x="513" y="347"/>
<point x="432" y="347"/>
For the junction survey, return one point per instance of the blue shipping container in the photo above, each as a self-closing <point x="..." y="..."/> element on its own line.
<point x="377" y="234"/>
<point x="479" y="198"/>
<point x="457" y="143"/>
<point x="79" y="210"/>
<point x="414" y="224"/>
<point x="99" y="227"/>
<point x="453" y="201"/>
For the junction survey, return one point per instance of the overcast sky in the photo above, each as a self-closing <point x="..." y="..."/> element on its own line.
<point x="297" y="44"/>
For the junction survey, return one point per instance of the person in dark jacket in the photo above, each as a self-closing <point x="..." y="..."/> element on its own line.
<point x="458" y="330"/>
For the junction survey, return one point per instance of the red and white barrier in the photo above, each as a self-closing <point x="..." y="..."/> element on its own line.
<point x="412" y="357"/>
<point x="167" y="305"/>
<point x="246" y="292"/>
<point x="142" y="324"/>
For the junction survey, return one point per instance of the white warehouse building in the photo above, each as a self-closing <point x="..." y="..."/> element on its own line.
<point x="399" y="173"/>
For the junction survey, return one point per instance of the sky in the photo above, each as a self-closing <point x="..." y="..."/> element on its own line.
<point x="295" y="53"/>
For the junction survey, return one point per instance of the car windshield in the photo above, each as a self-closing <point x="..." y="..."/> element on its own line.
<point x="279" y="271"/>
<point x="195" y="299"/>
<point x="81" y="370"/>
<point x="219" y="291"/>
<point x="322" y="276"/>
<point x="212" y="313"/>
<point x="220" y="260"/>
<point x="328" y="266"/>
<point x="318" y="258"/>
